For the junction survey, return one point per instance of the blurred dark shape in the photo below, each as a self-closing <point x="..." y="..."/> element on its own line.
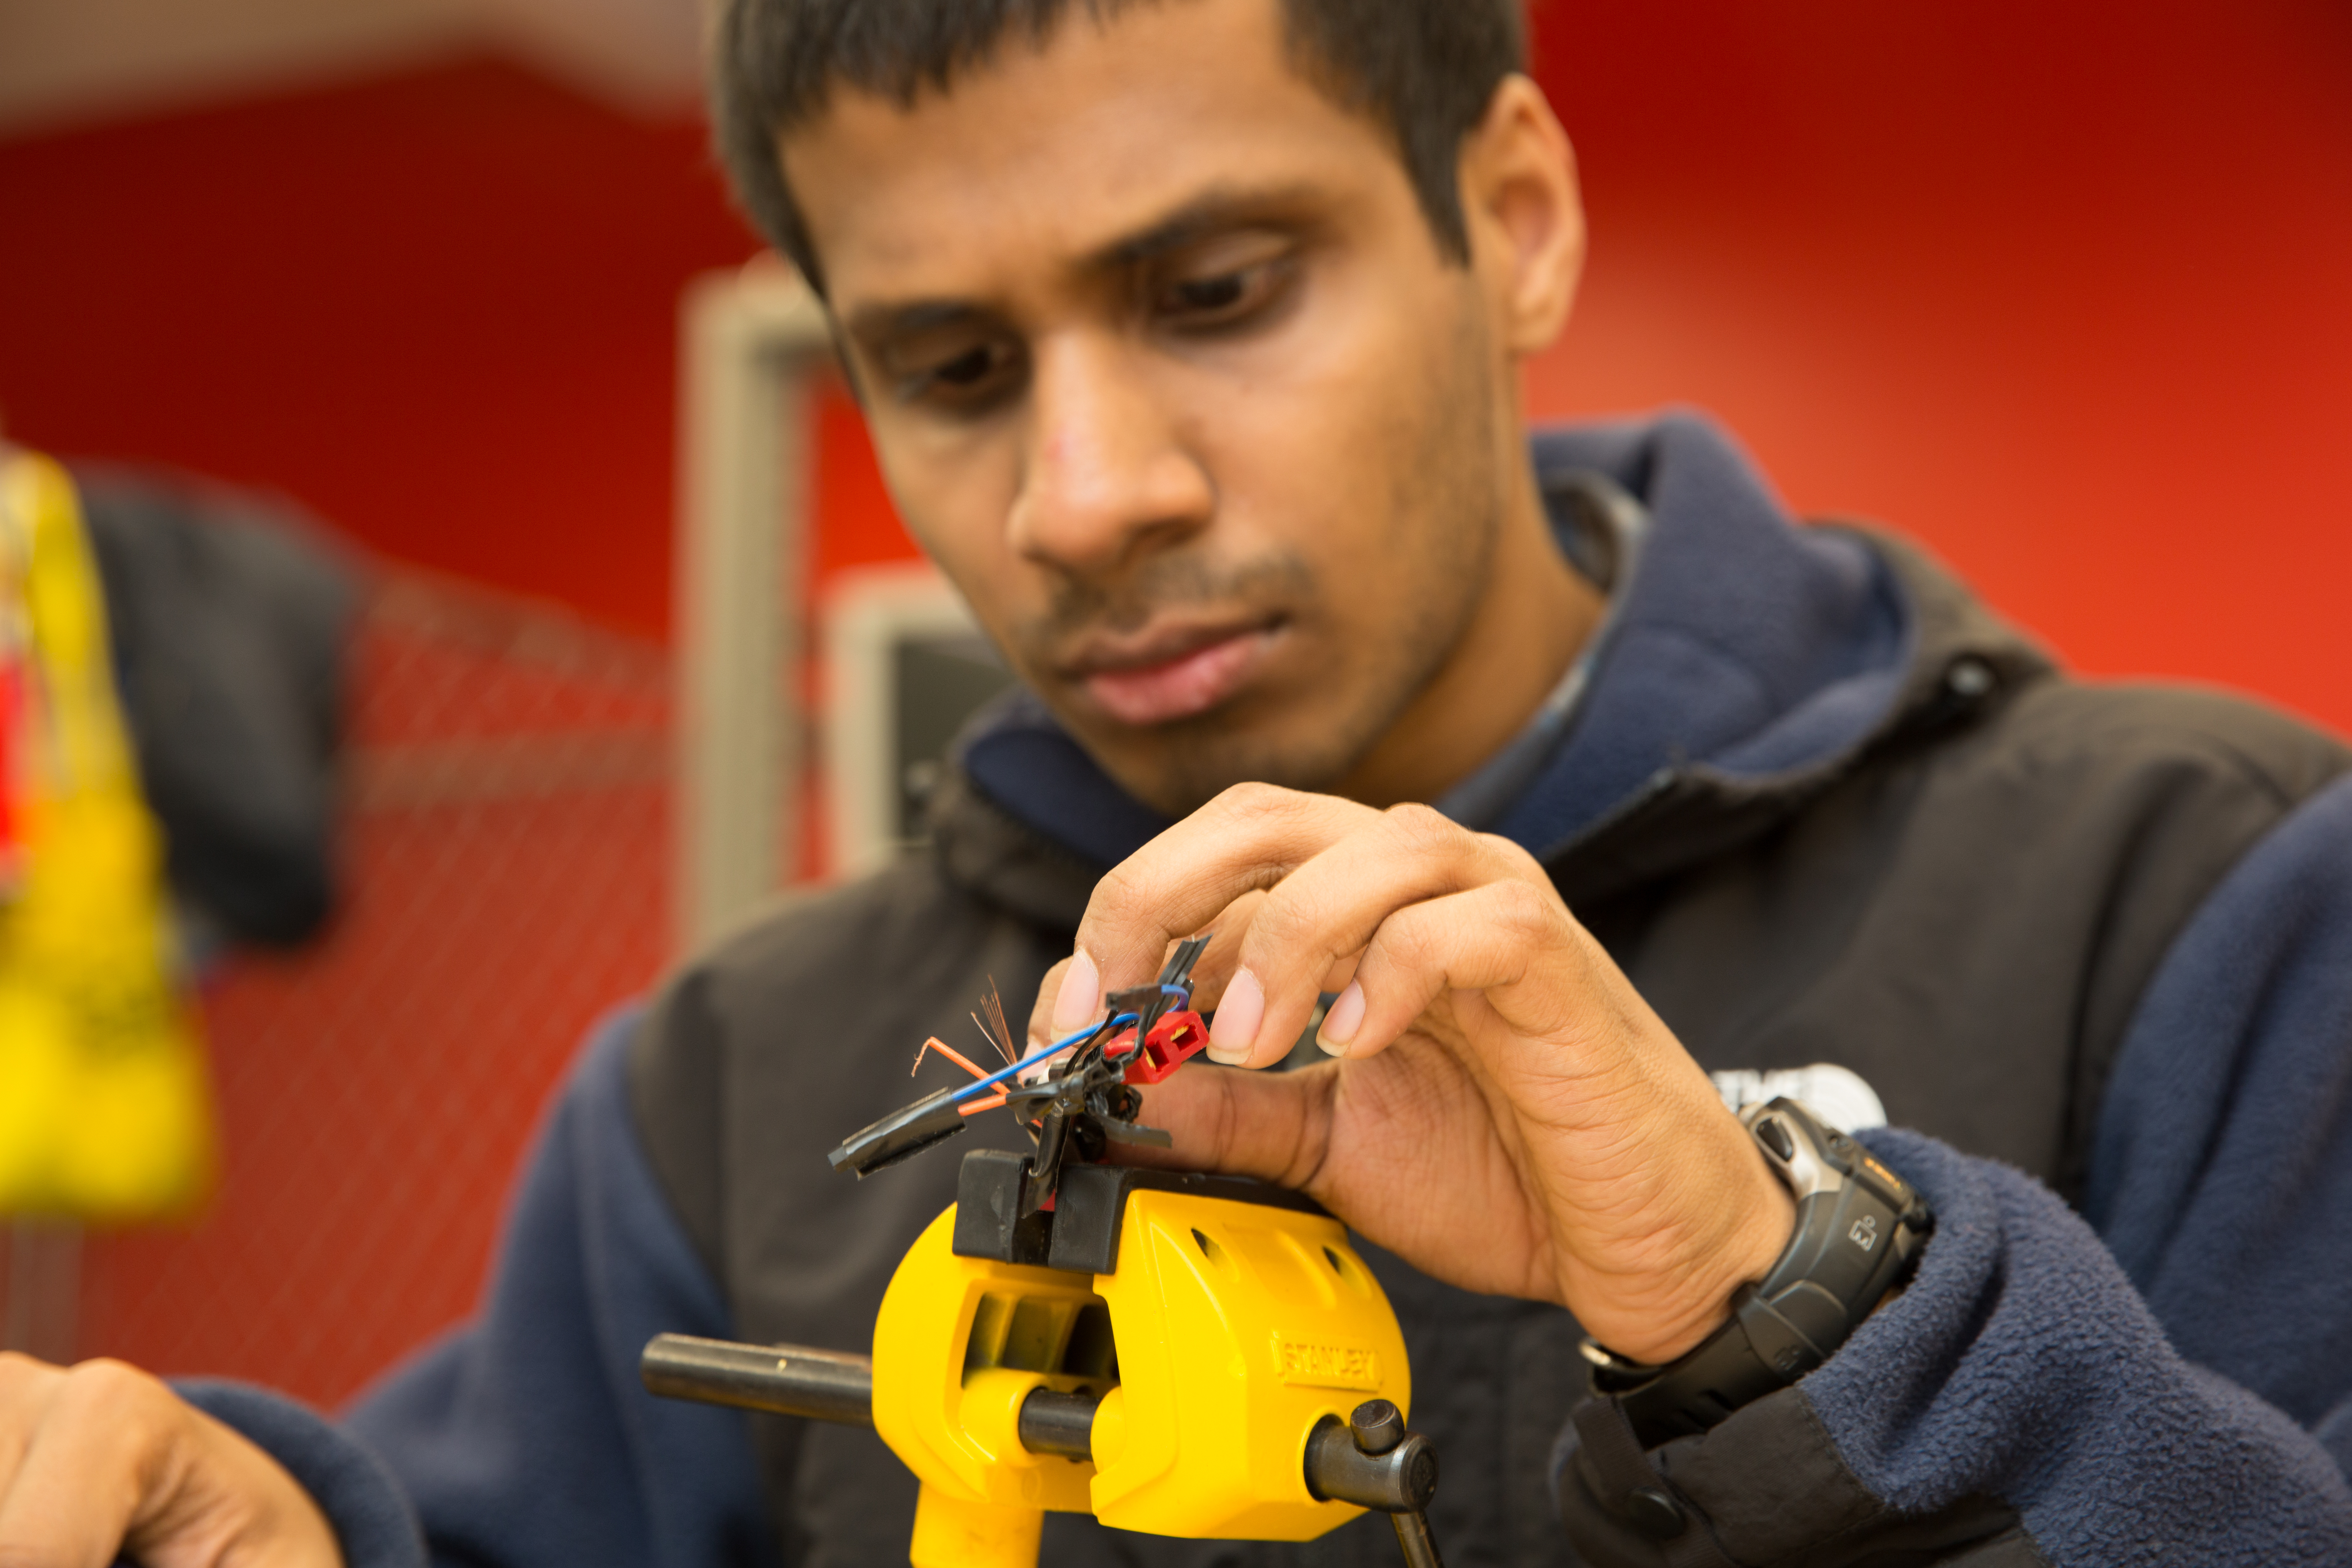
<point x="231" y="616"/>
<point x="938" y="683"/>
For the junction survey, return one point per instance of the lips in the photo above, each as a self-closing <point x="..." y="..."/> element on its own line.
<point x="1201" y="671"/>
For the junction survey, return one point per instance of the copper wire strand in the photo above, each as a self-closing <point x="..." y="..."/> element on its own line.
<point x="1002" y="1036"/>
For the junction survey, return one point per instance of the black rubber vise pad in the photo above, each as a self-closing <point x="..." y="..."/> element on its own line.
<point x="1080" y="1232"/>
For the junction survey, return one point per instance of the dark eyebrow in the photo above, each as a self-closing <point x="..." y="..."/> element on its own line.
<point x="875" y="323"/>
<point x="1212" y="212"/>
<point x="1215" y="211"/>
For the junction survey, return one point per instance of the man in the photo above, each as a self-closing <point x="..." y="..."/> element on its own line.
<point x="1187" y="332"/>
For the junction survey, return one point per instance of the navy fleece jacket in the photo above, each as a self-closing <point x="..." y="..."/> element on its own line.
<point x="2165" y="1378"/>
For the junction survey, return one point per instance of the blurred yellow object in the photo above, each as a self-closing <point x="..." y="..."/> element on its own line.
<point x="105" y="1104"/>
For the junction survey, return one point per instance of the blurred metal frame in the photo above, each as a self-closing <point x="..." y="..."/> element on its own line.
<point x="867" y="613"/>
<point x="751" y="341"/>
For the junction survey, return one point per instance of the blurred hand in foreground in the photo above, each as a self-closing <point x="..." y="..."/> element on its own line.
<point x="102" y="1460"/>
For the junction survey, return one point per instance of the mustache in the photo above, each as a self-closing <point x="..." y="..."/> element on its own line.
<point x="1129" y="601"/>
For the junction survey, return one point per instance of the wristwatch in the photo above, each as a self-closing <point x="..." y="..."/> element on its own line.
<point x="1859" y="1230"/>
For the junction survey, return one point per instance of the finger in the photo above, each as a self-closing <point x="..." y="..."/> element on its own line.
<point x="1568" y="1043"/>
<point x="78" y="1484"/>
<point x="1246" y="840"/>
<point x="1511" y="939"/>
<point x="1273" y="1126"/>
<point x="1213" y="970"/>
<point x="1328" y="908"/>
<point x="1066" y="1004"/>
<point x="221" y="1499"/>
<point x="1044" y="1018"/>
<point x="1413" y="1128"/>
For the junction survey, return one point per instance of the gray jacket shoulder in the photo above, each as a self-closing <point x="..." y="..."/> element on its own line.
<point x="2132" y="800"/>
<point x="2232" y="740"/>
<point x="2083" y="825"/>
<point x="1970" y="914"/>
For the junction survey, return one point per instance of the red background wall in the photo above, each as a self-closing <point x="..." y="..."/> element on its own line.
<point x="439" y="309"/>
<point x="2061" y="290"/>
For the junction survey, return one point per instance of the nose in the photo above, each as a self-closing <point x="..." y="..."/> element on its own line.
<point x="1106" y="474"/>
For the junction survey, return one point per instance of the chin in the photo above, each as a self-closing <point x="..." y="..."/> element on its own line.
<point x="1178" y="768"/>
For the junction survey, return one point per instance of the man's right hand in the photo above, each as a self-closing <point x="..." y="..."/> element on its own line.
<point x="1508" y="1114"/>
<point x="102" y="1459"/>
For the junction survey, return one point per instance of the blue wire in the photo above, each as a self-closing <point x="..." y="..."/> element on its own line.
<point x="1039" y="1055"/>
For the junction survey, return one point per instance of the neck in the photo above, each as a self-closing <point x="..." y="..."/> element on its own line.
<point x="1534" y="618"/>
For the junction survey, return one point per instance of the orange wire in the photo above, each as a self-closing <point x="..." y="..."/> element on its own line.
<point x="991" y="1103"/>
<point x="949" y="1051"/>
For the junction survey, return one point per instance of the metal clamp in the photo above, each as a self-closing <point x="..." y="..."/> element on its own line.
<point x="1374" y="1462"/>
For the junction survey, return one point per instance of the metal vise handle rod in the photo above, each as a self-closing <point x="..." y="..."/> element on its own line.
<point x="833" y="1386"/>
<point x="783" y="1380"/>
<point x="828" y="1386"/>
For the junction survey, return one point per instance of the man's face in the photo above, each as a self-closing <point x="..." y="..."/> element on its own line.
<point x="1166" y="372"/>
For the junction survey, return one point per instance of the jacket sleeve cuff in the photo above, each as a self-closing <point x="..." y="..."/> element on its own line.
<point x="2019" y="1398"/>
<point x="1770" y="1482"/>
<point x="371" y="1515"/>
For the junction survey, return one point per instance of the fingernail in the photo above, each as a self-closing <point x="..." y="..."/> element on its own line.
<point x="1239" y="1012"/>
<point x="1342" y="1021"/>
<point x="1081" y="995"/>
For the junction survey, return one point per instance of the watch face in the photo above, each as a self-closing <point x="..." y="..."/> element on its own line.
<point x="1838" y="1097"/>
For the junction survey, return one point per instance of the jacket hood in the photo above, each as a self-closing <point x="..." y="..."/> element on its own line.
<point x="1749" y="661"/>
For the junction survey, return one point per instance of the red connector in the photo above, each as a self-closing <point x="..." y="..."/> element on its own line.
<point x="1174" y="1040"/>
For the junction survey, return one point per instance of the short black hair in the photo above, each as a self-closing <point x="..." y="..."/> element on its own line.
<point x="1424" y="68"/>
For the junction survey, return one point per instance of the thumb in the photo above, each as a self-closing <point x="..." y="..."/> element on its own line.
<point x="229" y="1505"/>
<point x="1273" y="1126"/>
<point x="1071" y="989"/>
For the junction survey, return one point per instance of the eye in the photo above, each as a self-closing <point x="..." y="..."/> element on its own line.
<point x="1210" y="301"/>
<point x="1212" y="294"/>
<point x="970" y="366"/>
<point x="961" y="373"/>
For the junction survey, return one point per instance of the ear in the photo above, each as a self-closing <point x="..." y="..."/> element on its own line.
<point x="1523" y="214"/>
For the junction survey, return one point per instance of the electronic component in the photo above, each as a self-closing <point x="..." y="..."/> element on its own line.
<point x="1074" y="1097"/>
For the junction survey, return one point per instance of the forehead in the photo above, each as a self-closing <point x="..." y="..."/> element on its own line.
<point x="1046" y="156"/>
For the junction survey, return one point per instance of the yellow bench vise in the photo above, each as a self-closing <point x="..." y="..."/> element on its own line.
<point x="1175" y="1354"/>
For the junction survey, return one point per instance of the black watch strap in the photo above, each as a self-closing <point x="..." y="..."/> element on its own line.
<point x="1858" y="1232"/>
